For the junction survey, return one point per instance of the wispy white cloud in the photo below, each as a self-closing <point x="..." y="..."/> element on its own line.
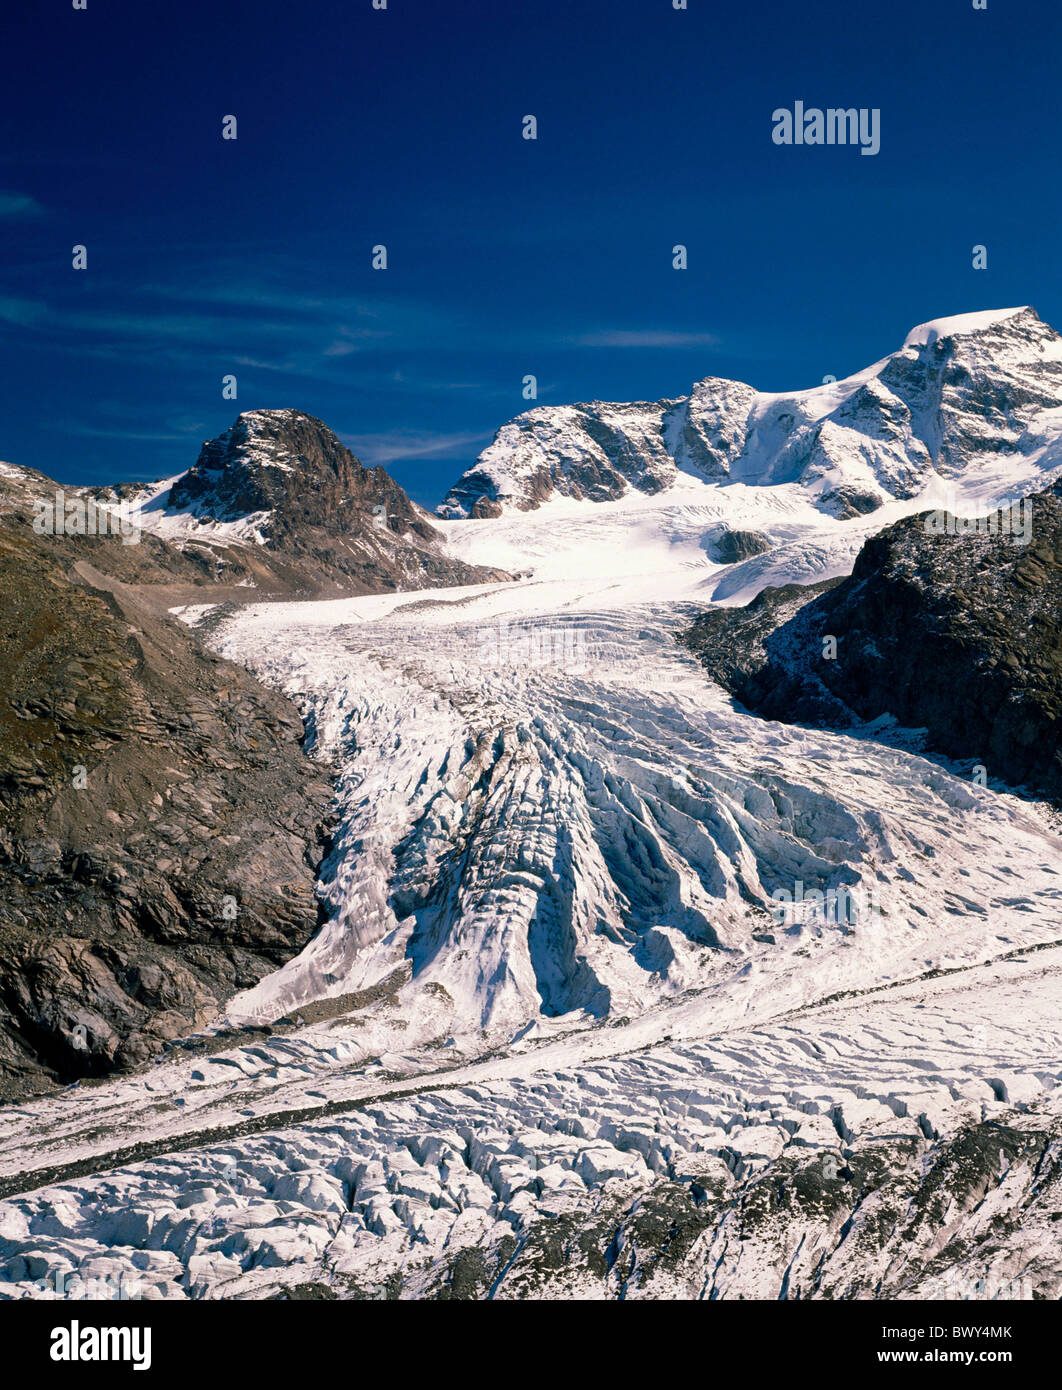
<point x="27" y="313"/>
<point x="91" y="432"/>
<point x="23" y="313"/>
<point x="262" y="295"/>
<point x="353" y="340"/>
<point x="345" y="318"/>
<point x="289" y="334"/>
<point x="19" y="205"/>
<point x="409" y="444"/>
<point x="644" y="338"/>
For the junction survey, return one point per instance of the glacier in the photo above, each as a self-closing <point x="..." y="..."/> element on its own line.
<point x="550" y="1040"/>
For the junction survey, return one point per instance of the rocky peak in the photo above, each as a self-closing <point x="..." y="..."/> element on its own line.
<point x="957" y="390"/>
<point x="279" y="498"/>
<point x="294" y="467"/>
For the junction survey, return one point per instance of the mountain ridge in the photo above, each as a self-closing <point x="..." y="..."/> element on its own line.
<point x="958" y="388"/>
<point x="277" y="500"/>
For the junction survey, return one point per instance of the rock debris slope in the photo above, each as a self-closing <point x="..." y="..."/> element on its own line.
<point x="159" y="822"/>
<point x="575" y="1023"/>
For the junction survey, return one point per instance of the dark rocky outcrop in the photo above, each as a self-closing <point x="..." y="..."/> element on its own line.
<point x="730" y="641"/>
<point x="159" y="823"/>
<point x="729" y="547"/>
<point x="957" y="634"/>
<point x="318" y="520"/>
<point x="846" y="502"/>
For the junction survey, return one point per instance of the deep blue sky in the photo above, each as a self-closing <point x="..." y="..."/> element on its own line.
<point x="507" y="256"/>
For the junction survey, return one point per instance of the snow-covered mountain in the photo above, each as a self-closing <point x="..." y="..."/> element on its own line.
<point x="277" y="501"/>
<point x="621" y="990"/>
<point x="957" y="390"/>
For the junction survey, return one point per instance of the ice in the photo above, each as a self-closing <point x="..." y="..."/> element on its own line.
<point x="401" y="1181"/>
<point x="556" y="987"/>
<point x="929" y="333"/>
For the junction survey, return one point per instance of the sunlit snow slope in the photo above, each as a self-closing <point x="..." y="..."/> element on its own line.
<point x="957" y="389"/>
<point x="551" y="1015"/>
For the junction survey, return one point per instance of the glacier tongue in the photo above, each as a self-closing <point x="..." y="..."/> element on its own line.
<point x="550" y="819"/>
<point x="550" y="1041"/>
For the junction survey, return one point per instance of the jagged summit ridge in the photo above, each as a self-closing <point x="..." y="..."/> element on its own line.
<point x="279" y="497"/>
<point x="959" y="388"/>
<point x="294" y="467"/>
<point x="963" y="325"/>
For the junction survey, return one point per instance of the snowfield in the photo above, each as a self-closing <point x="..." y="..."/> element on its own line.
<point x="551" y="1000"/>
<point x="560" y="1035"/>
<point x="958" y="390"/>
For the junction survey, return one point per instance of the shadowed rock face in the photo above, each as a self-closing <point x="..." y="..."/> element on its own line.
<point x="316" y="509"/>
<point x="958" y="634"/>
<point x="731" y="547"/>
<point x="730" y="641"/>
<point x="159" y="822"/>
